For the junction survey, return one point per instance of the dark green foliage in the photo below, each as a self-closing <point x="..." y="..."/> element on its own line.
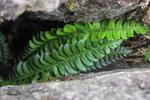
<point x="4" y="49"/>
<point x="67" y="61"/>
<point x="73" y="49"/>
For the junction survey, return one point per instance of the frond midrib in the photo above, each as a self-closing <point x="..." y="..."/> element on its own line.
<point x="67" y="59"/>
<point x="90" y="31"/>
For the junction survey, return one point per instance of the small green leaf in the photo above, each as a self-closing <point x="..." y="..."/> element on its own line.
<point x="57" y="56"/>
<point x="49" y="36"/>
<point x="62" y="69"/>
<point x="104" y="23"/>
<point x="69" y="69"/>
<point x="106" y="49"/>
<point x="44" y="75"/>
<point x="109" y="35"/>
<point x="101" y="35"/>
<point x="67" y="50"/>
<point x="132" y="25"/>
<point x="93" y="67"/>
<point x="90" y="57"/>
<point x="53" y="31"/>
<point x="111" y="24"/>
<point x="56" y="71"/>
<point x="80" y="27"/>
<point x="103" y="62"/>
<point x="141" y="30"/>
<point x="116" y="34"/>
<point x="88" y="26"/>
<point x="70" y="29"/>
<point x="130" y="33"/>
<point x="32" y="44"/>
<point x="94" y="36"/>
<point x="126" y="25"/>
<point x="80" y="46"/>
<point x="85" y="60"/>
<point x="86" y="37"/>
<point x="123" y="35"/>
<point x="61" y="32"/>
<point x="19" y="69"/>
<point x="119" y="24"/>
<point x="34" y="79"/>
<point x="96" y="25"/>
<point x="79" y="64"/>
<point x="97" y="64"/>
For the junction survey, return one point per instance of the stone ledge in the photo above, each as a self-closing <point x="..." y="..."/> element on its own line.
<point x="121" y="84"/>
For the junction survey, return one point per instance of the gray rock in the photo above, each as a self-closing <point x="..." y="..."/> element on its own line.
<point x="11" y="9"/>
<point x="66" y="10"/>
<point x="124" y="84"/>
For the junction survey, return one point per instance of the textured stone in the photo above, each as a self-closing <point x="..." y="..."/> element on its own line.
<point x="11" y="9"/>
<point x="66" y="10"/>
<point x="86" y="10"/>
<point x="125" y="84"/>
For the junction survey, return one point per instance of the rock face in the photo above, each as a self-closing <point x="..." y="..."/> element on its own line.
<point x="131" y="84"/>
<point x="11" y="9"/>
<point x="66" y="10"/>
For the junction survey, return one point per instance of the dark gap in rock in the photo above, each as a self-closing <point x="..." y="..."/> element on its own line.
<point x="19" y="32"/>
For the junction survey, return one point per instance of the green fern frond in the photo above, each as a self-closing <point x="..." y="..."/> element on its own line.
<point x="73" y="49"/>
<point x="111" y="29"/>
<point x="67" y="59"/>
<point x="4" y="49"/>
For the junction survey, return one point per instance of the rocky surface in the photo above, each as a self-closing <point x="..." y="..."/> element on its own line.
<point x="121" y="84"/>
<point x="66" y="10"/>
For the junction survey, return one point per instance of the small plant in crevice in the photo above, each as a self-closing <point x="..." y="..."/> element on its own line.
<point x="73" y="49"/>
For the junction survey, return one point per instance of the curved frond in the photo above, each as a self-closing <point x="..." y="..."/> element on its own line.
<point x="68" y="59"/>
<point x="110" y="29"/>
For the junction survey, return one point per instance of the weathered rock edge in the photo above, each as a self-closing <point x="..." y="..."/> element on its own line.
<point x="66" y="10"/>
<point x="125" y="84"/>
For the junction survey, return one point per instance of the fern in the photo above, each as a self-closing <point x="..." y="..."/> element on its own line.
<point x="73" y="49"/>
<point x="68" y="59"/>
<point x="110" y="29"/>
<point x="4" y="50"/>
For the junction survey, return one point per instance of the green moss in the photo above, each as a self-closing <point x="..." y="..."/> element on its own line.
<point x="47" y="79"/>
<point x="69" y="5"/>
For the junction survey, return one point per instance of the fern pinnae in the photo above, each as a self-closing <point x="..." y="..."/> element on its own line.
<point x="57" y="66"/>
<point x="110" y="29"/>
<point x="72" y="49"/>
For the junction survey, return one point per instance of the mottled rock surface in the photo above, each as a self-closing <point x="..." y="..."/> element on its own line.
<point x="122" y="84"/>
<point x="66" y="10"/>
